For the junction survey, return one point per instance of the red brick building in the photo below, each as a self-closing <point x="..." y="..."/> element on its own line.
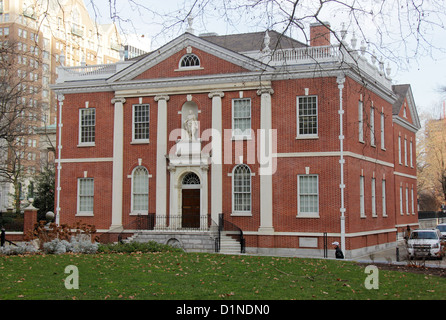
<point x="297" y="145"/>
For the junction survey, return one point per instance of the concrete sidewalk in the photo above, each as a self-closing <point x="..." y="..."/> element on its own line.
<point x="398" y="255"/>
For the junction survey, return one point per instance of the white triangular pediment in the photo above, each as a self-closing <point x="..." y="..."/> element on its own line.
<point x="415" y="124"/>
<point x="178" y="44"/>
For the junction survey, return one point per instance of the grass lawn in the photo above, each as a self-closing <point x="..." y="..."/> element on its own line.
<point x="200" y="276"/>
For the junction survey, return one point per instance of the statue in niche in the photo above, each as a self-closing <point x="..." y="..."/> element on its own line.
<point x="191" y="125"/>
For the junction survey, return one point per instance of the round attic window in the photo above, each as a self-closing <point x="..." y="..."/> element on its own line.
<point x="189" y="60"/>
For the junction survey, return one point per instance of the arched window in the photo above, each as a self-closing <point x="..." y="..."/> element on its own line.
<point x="241" y="189"/>
<point x="191" y="178"/>
<point x="140" y="190"/>
<point x="189" y="60"/>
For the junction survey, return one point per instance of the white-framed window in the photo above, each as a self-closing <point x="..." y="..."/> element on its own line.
<point x="399" y="150"/>
<point x="85" y="196"/>
<point x="241" y="118"/>
<point x="140" y="190"/>
<point x="189" y="60"/>
<point x="241" y="189"/>
<point x="405" y="152"/>
<point x="307" y="117"/>
<point x="361" y="121"/>
<point x="372" y="125"/>
<point x="383" y="144"/>
<point x="401" y="200"/>
<point x="412" y="203"/>
<point x="383" y="197"/>
<point x="141" y="120"/>
<point x="308" y="196"/>
<point x="87" y="126"/>
<point x="373" y="189"/>
<point x="361" y="197"/>
<point x="407" y="200"/>
<point x="411" y="153"/>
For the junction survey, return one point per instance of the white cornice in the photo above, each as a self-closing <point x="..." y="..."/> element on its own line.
<point x="405" y="124"/>
<point x="122" y="81"/>
<point x="179" y="44"/>
<point x="413" y="109"/>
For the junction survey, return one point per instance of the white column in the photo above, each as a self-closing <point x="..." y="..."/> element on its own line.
<point x="340" y="80"/>
<point x="161" y="165"/>
<point x="266" y="178"/>
<point x="217" y="158"/>
<point x="118" y="160"/>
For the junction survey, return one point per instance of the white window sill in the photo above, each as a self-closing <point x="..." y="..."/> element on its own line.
<point x="86" y="145"/>
<point x="305" y="137"/>
<point x="239" y="138"/>
<point x="84" y="214"/>
<point x="241" y="214"/>
<point x="139" y="213"/>
<point x="308" y="215"/>
<point x="142" y="141"/>
<point x="189" y="69"/>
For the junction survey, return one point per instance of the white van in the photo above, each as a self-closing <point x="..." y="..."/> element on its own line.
<point x="425" y="243"/>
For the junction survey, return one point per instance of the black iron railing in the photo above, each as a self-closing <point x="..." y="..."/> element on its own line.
<point x="230" y="229"/>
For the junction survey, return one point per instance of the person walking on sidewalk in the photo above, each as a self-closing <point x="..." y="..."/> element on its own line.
<point x="338" y="251"/>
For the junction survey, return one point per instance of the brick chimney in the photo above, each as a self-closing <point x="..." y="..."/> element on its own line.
<point x="319" y="34"/>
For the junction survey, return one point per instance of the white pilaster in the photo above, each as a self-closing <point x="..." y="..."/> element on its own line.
<point x="266" y="179"/>
<point x="60" y="99"/>
<point x="161" y="165"/>
<point x="217" y="167"/>
<point x="340" y="80"/>
<point x="118" y="160"/>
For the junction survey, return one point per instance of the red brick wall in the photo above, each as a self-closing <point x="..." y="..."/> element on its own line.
<point x="284" y="119"/>
<point x="319" y="35"/>
<point x="209" y="63"/>
<point x="100" y="171"/>
<point x="101" y="101"/>
<point x="102" y="174"/>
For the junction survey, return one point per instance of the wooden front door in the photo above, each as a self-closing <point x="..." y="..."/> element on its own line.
<point x="191" y="208"/>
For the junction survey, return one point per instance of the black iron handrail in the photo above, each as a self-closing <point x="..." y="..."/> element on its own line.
<point x="225" y="225"/>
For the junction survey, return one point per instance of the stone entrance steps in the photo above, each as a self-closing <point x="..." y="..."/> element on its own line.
<point x="189" y="241"/>
<point x="229" y="245"/>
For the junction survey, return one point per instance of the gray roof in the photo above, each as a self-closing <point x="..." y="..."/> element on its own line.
<point x="401" y="92"/>
<point x="253" y="41"/>
<point x="246" y="42"/>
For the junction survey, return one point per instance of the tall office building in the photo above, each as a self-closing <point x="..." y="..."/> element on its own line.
<point x="44" y="33"/>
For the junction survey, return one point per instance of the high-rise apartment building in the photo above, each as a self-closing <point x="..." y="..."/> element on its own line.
<point x="42" y="33"/>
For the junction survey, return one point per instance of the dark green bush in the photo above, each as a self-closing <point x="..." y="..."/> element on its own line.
<point x="134" y="246"/>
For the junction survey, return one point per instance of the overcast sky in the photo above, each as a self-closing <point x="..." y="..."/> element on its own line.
<point x="426" y="73"/>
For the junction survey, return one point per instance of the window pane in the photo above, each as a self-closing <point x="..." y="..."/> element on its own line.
<point x="308" y="194"/>
<point x="88" y="122"/>
<point x="242" y="116"/>
<point x="86" y="195"/>
<point x="307" y="115"/>
<point x="140" y="189"/>
<point x="190" y="60"/>
<point x="242" y="188"/>
<point x="141" y="121"/>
